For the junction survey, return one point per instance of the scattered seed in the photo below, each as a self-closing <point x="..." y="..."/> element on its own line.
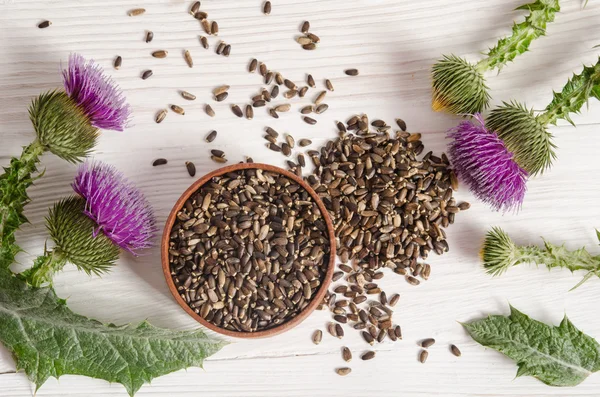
<point x="314" y="38"/>
<point x="413" y="281"/>
<point x="321" y="108"/>
<point x="206" y="26"/>
<point x="320" y="97"/>
<point x="178" y="109"/>
<point x="161" y="161"/>
<point x="209" y="110"/>
<point x="307" y="109"/>
<point x="249" y="112"/>
<point x="211" y="136"/>
<point x="310" y="46"/>
<point x="283" y="108"/>
<point x="368" y="337"/>
<point x="317" y="337"/>
<point x="44" y="24"/>
<point x="221" y="97"/>
<point x="346" y="354"/>
<point x="160" y="116"/>
<point x="200" y="15"/>
<point x="304" y="142"/>
<point x="149" y="36"/>
<point x="274" y="147"/>
<point x="146" y="74"/>
<point x="368" y="355"/>
<point x="455" y="350"/>
<point x="423" y="356"/>
<point x="273" y="113"/>
<point x="204" y="42"/>
<point x="160" y="54"/>
<point x="188" y="96"/>
<point x="302" y="91"/>
<point x="136" y="11"/>
<point x="311" y="81"/>
<point x="394" y="300"/>
<point x="303" y="40"/>
<point x="217" y="159"/>
<point x="401" y="124"/>
<point x="252" y="66"/>
<point x="267" y="8"/>
<point x="427" y="342"/>
<point x="227" y="50"/>
<point x="220" y="90"/>
<point x="195" y="7"/>
<point x="343" y="371"/>
<point x="339" y="331"/>
<point x="309" y="120"/>
<point x="191" y="168"/>
<point x="188" y="58"/>
<point x="329" y="85"/>
<point x="351" y="72"/>
<point x="214" y="28"/>
<point x="301" y="160"/>
<point x="305" y="27"/>
<point x="217" y="153"/>
<point x="274" y="91"/>
<point x="118" y="62"/>
<point x="237" y="111"/>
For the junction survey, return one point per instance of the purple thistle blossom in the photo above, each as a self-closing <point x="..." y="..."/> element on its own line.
<point x="121" y="211"/>
<point x="99" y="97"/>
<point x="481" y="160"/>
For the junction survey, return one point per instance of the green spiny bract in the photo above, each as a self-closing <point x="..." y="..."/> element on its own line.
<point x="62" y="127"/>
<point x="524" y="135"/>
<point x="17" y="177"/>
<point x="458" y="87"/>
<point x="541" y="12"/>
<point x="574" y="95"/>
<point x="73" y="233"/>
<point x="499" y="253"/>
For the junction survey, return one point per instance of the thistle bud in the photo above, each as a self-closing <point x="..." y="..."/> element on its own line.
<point x="62" y="127"/>
<point x="458" y="87"/>
<point x="524" y="136"/>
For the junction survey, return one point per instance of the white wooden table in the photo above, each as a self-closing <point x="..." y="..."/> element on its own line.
<point x="393" y="43"/>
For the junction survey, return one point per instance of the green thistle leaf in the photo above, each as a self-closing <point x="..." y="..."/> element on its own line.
<point x="524" y="135"/>
<point x="499" y="253"/>
<point x="557" y="356"/>
<point x="49" y="340"/>
<point x="574" y="95"/>
<point x="458" y="87"/>
<point x="541" y="12"/>
<point x="62" y="127"/>
<point x="13" y="197"/>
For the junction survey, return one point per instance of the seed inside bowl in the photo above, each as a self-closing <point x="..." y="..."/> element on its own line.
<point x="249" y="250"/>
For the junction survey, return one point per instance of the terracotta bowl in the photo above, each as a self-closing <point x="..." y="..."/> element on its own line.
<point x="281" y="327"/>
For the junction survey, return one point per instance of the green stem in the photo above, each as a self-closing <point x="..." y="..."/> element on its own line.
<point x="541" y="12"/>
<point x="573" y="96"/>
<point x="558" y="256"/>
<point x="13" y="198"/>
<point x="44" y="268"/>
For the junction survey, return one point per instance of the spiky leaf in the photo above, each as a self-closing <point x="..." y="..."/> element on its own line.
<point x="49" y="340"/>
<point x="524" y="135"/>
<point x="499" y="253"/>
<point x="541" y="12"/>
<point x="62" y="127"/>
<point x="73" y="234"/>
<point x="458" y="87"/>
<point x="574" y="95"/>
<point x="557" y="356"/>
<point x="13" y="197"/>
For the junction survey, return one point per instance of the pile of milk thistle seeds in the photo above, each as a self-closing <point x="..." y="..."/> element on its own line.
<point x="249" y="250"/>
<point x="389" y="209"/>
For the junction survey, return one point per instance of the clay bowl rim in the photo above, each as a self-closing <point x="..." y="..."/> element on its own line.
<point x="284" y="326"/>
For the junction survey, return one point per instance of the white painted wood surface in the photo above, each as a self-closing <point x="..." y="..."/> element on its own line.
<point x="393" y="43"/>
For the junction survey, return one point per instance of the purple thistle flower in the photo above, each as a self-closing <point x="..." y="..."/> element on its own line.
<point x="101" y="100"/>
<point x="481" y="160"/>
<point x="121" y="211"/>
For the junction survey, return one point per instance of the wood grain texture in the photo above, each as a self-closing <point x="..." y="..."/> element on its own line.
<point x="393" y="44"/>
